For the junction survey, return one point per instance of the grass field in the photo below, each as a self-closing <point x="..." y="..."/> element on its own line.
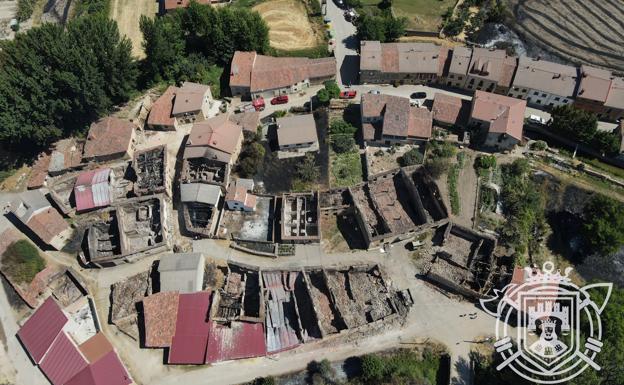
<point x="127" y="14"/>
<point x="289" y="25"/>
<point x="422" y="15"/>
<point x="346" y="169"/>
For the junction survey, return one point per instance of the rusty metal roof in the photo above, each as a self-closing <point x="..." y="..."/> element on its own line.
<point x="42" y="328"/>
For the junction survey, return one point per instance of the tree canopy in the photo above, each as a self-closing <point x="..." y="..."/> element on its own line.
<point x="213" y="34"/>
<point x="383" y="28"/>
<point x="582" y="127"/>
<point x="54" y="81"/>
<point x="604" y="224"/>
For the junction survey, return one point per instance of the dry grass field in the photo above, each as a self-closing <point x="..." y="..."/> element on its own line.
<point x="289" y="26"/>
<point x="584" y="31"/>
<point x="127" y="14"/>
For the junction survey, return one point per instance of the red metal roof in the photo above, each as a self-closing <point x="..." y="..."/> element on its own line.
<point x="241" y="340"/>
<point x="192" y="327"/>
<point x="41" y="329"/>
<point x="63" y="361"/>
<point x="92" y="189"/>
<point x="106" y="371"/>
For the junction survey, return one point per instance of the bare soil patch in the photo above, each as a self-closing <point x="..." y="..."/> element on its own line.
<point x="576" y="30"/>
<point x="127" y="14"/>
<point x="289" y="25"/>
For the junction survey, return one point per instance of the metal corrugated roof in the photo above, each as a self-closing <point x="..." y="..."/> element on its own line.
<point x="108" y="370"/>
<point x="63" y="361"/>
<point x="200" y="192"/>
<point x="42" y="328"/>
<point x="192" y="328"/>
<point x="240" y="340"/>
<point x="92" y="189"/>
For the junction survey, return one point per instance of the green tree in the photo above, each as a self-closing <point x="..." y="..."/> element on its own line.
<point x="373" y="368"/>
<point x="485" y="162"/>
<point x="339" y="126"/>
<point x="21" y="262"/>
<point x="604" y="224"/>
<point x="54" y="81"/>
<point x="342" y="143"/>
<point x="412" y="157"/>
<point x="164" y="48"/>
<point x="383" y="28"/>
<point x="307" y="170"/>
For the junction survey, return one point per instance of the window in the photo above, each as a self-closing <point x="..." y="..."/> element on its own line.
<point x="557" y="98"/>
<point x="524" y="90"/>
<point x="479" y="88"/>
<point x="448" y="83"/>
<point x="481" y="83"/>
<point x="543" y="95"/>
<point x="459" y="78"/>
<point x="472" y="81"/>
<point x="451" y="76"/>
<point x="539" y="101"/>
<point x="536" y="93"/>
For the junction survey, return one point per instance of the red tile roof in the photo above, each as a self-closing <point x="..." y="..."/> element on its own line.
<point x="505" y="114"/>
<point x="420" y="123"/>
<point x="174" y="4"/>
<point x="63" y="361"/>
<point x="219" y="133"/>
<point x="449" y="109"/>
<point x="160" y="312"/>
<point x="39" y="171"/>
<point x="106" y="371"/>
<point x="96" y="347"/>
<point x="240" y="340"/>
<point x="192" y="328"/>
<point x="595" y="84"/>
<point x="259" y="72"/>
<point x="42" y="328"/>
<point x="160" y="114"/>
<point x="92" y="189"/>
<point x="47" y="224"/>
<point x="109" y="136"/>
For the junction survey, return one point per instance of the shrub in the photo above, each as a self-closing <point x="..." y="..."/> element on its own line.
<point x="437" y="167"/>
<point x="412" y="157"/>
<point x="342" y="143"/>
<point x="339" y="126"/>
<point x="485" y="162"/>
<point x="21" y="261"/>
<point x="539" y="145"/>
<point x="441" y="149"/>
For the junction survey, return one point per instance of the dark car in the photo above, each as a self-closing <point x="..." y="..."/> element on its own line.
<point x="339" y="3"/>
<point x="282" y="99"/>
<point x="418" y="95"/>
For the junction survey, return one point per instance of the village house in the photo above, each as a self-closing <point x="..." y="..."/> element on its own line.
<point x="297" y="134"/>
<point x="239" y="196"/>
<point x="160" y="117"/>
<point x="219" y="139"/>
<point x="490" y="70"/>
<point x="388" y="120"/>
<point x="254" y="75"/>
<point x="408" y="63"/>
<point x="182" y="273"/>
<point x="191" y="103"/>
<point x="109" y="138"/>
<point x="544" y="83"/>
<point x="35" y="212"/>
<point x="450" y="111"/>
<point x="171" y="5"/>
<point x="601" y="93"/>
<point x="200" y="203"/>
<point x="93" y="189"/>
<point x="458" y="68"/>
<point x="501" y="116"/>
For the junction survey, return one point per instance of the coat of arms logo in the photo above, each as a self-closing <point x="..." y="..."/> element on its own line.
<point x="548" y="329"/>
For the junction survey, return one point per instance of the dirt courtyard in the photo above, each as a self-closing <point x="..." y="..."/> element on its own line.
<point x="127" y="14"/>
<point x="289" y="26"/>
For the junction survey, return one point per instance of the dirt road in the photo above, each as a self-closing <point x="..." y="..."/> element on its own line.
<point x="127" y="14"/>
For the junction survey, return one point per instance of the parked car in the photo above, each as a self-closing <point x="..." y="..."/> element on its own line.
<point x="339" y="3"/>
<point x="258" y="104"/>
<point x="350" y="94"/>
<point x="374" y="92"/>
<point x="413" y="245"/>
<point x="282" y="99"/>
<point x="418" y="95"/>
<point x="536" y="119"/>
<point x="350" y="15"/>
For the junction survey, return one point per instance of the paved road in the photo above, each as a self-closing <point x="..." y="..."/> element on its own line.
<point x="346" y="44"/>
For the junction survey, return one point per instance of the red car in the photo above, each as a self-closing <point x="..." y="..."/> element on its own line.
<point x="282" y="99"/>
<point x="348" y="94"/>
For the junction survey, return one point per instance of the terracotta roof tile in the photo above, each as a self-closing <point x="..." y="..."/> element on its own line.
<point x="219" y="133"/>
<point x="595" y="84"/>
<point x="109" y="136"/>
<point x="95" y="347"/>
<point x="160" y="311"/>
<point x="47" y="224"/>
<point x="39" y="171"/>
<point x="450" y="109"/>
<point x="420" y="123"/>
<point x="160" y="114"/>
<point x="505" y="114"/>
